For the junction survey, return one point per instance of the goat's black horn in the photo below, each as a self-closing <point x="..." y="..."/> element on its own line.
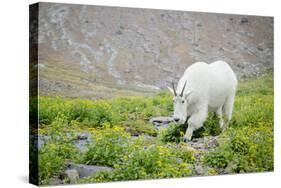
<point x="174" y="88"/>
<point x="183" y="89"/>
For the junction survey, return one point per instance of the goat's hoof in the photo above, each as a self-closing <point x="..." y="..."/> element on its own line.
<point x="186" y="140"/>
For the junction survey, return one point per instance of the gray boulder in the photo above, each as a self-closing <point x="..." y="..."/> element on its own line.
<point x="72" y="175"/>
<point x="87" y="170"/>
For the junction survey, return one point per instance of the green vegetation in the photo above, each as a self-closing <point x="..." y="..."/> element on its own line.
<point x="246" y="146"/>
<point x="133" y="159"/>
<point x="131" y="112"/>
<point x="58" y="149"/>
<point x="175" y="133"/>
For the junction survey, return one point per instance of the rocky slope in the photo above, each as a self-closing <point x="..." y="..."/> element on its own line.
<point x="95" y="51"/>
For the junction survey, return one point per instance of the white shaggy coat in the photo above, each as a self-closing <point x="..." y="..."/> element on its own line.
<point x="209" y="88"/>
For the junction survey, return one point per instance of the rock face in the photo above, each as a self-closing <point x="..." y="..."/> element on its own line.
<point x="95" y="51"/>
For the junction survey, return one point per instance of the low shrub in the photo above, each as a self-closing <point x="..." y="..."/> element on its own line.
<point x="108" y="147"/>
<point x="140" y="126"/>
<point x="216" y="159"/>
<point x="153" y="162"/>
<point x="175" y="133"/>
<point x="56" y="150"/>
<point x="50" y="163"/>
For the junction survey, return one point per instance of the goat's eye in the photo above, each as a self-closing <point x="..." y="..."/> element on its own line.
<point x="182" y="101"/>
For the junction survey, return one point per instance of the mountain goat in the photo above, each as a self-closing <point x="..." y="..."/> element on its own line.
<point x="204" y="88"/>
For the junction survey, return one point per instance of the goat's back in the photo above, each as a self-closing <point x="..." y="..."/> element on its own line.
<point x="211" y="83"/>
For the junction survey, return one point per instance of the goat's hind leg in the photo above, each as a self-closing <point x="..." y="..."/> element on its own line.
<point x="220" y="116"/>
<point x="228" y="109"/>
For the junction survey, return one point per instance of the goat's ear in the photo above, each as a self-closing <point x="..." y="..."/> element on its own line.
<point x="171" y="90"/>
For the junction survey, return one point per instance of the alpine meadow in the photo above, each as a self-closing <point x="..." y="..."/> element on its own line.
<point x="246" y="146"/>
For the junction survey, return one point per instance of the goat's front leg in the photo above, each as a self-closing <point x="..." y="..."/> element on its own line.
<point x="188" y="134"/>
<point x="195" y="122"/>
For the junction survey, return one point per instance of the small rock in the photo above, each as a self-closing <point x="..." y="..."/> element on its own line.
<point x="199" y="170"/>
<point x="157" y="124"/>
<point x="148" y="137"/>
<point x="260" y="48"/>
<point x="119" y="32"/>
<point x="72" y="175"/>
<point x="160" y="119"/>
<point x="167" y="70"/>
<point x="81" y="145"/>
<point x="128" y="129"/>
<point x="206" y="143"/>
<point x="55" y="181"/>
<point x="159" y="127"/>
<point x="213" y="143"/>
<point x="136" y="134"/>
<point x="230" y="166"/>
<point x="83" y="136"/>
<point x="195" y="139"/>
<point x="41" y="139"/>
<point x="244" y="20"/>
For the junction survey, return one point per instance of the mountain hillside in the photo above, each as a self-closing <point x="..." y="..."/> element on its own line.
<point x="96" y="51"/>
